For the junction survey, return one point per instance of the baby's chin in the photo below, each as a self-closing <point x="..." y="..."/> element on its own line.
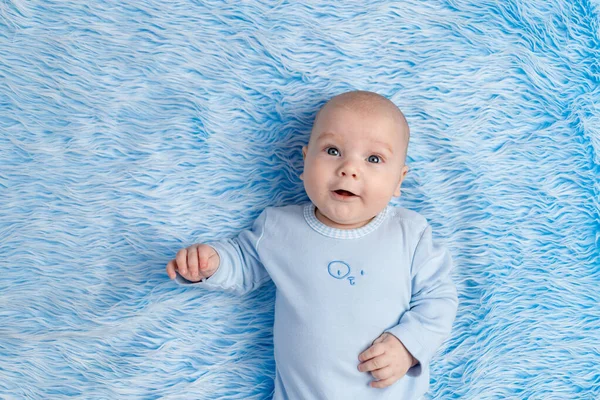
<point x="343" y="222"/>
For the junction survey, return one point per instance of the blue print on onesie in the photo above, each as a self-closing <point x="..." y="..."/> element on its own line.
<point x="341" y="270"/>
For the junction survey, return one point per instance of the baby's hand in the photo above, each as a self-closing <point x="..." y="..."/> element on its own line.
<point x="195" y="263"/>
<point x="387" y="360"/>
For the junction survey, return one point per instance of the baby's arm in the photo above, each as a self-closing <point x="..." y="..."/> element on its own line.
<point x="232" y="264"/>
<point x="428" y="322"/>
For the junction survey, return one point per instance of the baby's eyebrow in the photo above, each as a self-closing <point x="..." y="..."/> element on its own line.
<point x="330" y="136"/>
<point x="386" y="146"/>
<point x="326" y="136"/>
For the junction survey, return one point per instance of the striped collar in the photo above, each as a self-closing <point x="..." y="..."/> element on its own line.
<point x="313" y="222"/>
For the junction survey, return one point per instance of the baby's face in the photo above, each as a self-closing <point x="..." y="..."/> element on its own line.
<point x="353" y="165"/>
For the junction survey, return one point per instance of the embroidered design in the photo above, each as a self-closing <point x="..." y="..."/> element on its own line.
<point x="341" y="270"/>
<point x="338" y="269"/>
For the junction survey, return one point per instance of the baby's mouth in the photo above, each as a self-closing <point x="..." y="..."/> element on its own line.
<point x="344" y="193"/>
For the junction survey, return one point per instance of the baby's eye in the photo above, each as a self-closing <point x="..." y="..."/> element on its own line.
<point x="332" y="151"/>
<point x="374" y="159"/>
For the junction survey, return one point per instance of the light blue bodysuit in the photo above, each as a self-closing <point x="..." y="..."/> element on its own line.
<point x="339" y="290"/>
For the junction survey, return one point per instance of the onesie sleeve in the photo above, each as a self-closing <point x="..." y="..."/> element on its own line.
<point x="428" y="321"/>
<point x="240" y="268"/>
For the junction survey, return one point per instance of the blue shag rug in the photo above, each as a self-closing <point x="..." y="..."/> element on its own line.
<point x="131" y="129"/>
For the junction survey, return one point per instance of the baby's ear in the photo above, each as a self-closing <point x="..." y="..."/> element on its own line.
<point x="303" y="158"/>
<point x="402" y="176"/>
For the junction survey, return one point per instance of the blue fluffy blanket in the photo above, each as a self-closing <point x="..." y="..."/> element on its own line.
<point x="131" y="129"/>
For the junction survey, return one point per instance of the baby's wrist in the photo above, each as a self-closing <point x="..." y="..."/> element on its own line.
<point x="414" y="361"/>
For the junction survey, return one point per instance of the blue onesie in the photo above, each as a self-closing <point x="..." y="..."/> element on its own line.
<point x="339" y="290"/>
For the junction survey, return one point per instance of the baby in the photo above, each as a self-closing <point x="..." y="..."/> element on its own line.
<point x="363" y="294"/>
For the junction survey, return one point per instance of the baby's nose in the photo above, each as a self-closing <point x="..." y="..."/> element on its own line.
<point x="348" y="169"/>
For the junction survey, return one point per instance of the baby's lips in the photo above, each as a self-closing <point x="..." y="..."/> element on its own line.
<point x="344" y="192"/>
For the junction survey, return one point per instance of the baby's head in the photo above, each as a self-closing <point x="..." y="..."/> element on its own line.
<point x="355" y="159"/>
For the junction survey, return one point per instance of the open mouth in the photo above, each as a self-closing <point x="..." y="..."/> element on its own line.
<point x="344" y="193"/>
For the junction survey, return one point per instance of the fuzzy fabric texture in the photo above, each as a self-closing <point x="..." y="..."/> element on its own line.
<point x="129" y="130"/>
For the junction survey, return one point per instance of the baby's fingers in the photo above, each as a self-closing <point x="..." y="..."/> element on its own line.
<point x="192" y="262"/>
<point x="383" y="383"/>
<point x="373" y="364"/>
<point x="171" y="268"/>
<point x="181" y="261"/>
<point x="375" y="350"/>
<point x="205" y="253"/>
<point x="383" y="373"/>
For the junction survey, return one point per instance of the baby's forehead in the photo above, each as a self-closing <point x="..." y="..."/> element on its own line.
<point x="376" y="111"/>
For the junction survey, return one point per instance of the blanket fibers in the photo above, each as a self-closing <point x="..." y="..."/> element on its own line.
<point x="131" y="129"/>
